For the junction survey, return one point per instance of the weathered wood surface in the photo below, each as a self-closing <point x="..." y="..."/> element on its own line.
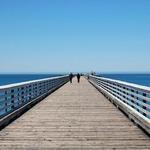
<point x="76" y="116"/>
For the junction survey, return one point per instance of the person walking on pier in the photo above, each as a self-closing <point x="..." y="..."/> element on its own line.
<point x="70" y="77"/>
<point x="78" y="77"/>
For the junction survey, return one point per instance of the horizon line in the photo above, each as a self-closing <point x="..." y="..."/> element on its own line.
<point x="97" y="72"/>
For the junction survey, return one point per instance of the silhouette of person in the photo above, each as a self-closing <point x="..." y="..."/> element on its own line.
<point x="78" y="77"/>
<point x="70" y="77"/>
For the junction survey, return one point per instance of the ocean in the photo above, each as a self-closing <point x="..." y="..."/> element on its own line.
<point x="16" y="78"/>
<point x="141" y="79"/>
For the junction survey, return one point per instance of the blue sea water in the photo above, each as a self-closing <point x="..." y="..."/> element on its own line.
<point x="141" y="79"/>
<point x="16" y="78"/>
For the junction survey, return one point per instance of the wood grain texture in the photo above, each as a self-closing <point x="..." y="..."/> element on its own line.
<point x="74" y="117"/>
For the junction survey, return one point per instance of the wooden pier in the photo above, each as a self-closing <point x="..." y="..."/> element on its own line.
<point x="76" y="116"/>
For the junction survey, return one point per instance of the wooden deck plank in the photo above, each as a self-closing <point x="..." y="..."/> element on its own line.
<point x="76" y="116"/>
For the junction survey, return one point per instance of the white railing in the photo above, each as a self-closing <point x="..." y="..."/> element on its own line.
<point x="14" y="96"/>
<point x="132" y="97"/>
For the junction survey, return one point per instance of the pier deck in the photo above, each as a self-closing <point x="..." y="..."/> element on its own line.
<point x="76" y="116"/>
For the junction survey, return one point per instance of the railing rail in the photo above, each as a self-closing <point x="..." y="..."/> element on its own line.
<point x="132" y="98"/>
<point x="14" y="96"/>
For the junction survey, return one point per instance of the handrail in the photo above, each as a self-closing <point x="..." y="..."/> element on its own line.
<point x="133" y="99"/>
<point x="14" y="96"/>
<point x="3" y="87"/>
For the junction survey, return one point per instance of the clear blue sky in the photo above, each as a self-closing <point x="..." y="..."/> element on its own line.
<point x="74" y="35"/>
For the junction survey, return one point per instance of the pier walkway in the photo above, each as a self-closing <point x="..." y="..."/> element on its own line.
<point x="76" y="116"/>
